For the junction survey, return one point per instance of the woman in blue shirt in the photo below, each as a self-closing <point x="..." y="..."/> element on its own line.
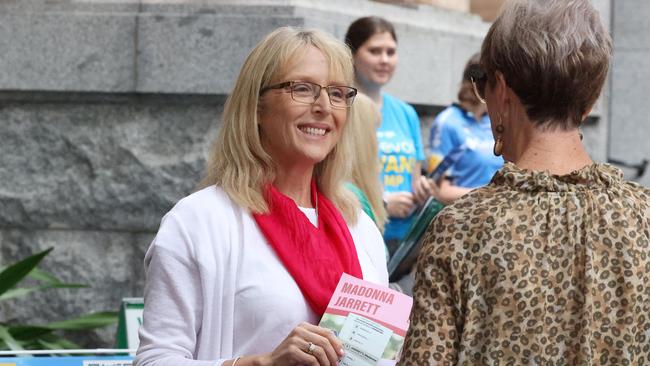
<point x="374" y="48"/>
<point x="464" y="125"/>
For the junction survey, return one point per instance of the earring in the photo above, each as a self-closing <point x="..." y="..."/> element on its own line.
<point x="498" y="141"/>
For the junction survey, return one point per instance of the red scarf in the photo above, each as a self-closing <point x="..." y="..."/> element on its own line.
<point x="314" y="256"/>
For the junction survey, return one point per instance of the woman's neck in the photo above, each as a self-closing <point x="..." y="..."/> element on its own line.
<point x="295" y="183"/>
<point x="557" y="151"/>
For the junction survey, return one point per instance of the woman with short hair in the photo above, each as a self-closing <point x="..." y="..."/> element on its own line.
<point x="549" y="263"/>
<point x="463" y="129"/>
<point x="242" y="270"/>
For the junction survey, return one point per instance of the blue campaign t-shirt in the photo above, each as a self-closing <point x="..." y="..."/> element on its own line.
<point x="400" y="148"/>
<point x="454" y="127"/>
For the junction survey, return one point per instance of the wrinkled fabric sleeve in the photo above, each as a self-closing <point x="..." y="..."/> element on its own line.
<point x="173" y="301"/>
<point x="434" y="334"/>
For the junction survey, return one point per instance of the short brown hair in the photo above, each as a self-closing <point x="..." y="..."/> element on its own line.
<point x="554" y="54"/>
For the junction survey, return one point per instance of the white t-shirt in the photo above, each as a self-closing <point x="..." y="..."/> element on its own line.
<point x="216" y="290"/>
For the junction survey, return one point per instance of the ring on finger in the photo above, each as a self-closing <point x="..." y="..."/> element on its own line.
<point x="310" y="348"/>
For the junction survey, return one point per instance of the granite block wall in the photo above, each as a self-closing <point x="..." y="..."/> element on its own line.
<point x="91" y="176"/>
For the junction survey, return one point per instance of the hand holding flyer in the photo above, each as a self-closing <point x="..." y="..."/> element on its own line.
<point x="371" y="320"/>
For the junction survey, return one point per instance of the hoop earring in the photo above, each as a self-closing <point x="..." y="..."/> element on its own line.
<point x="498" y="140"/>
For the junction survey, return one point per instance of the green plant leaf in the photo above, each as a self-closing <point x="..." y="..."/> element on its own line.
<point x="17" y="292"/>
<point x="48" y="345"/>
<point x="56" y="343"/>
<point x="28" y="332"/>
<point x="88" y="321"/>
<point x="15" y="273"/>
<point x="23" y="291"/>
<point x="9" y="340"/>
<point x="65" y="285"/>
<point x="43" y="276"/>
<point x="51" y="281"/>
<point x="66" y="344"/>
<point x="23" y="336"/>
<point x="51" y="341"/>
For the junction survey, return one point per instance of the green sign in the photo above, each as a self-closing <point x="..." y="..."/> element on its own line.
<point x="129" y="322"/>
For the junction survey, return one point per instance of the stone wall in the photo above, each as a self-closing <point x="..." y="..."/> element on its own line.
<point x="107" y="110"/>
<point x="630" y="84"/>
<point x="91" y="176"/>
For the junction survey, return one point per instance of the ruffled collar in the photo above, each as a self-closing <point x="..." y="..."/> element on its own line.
<point x="595" y="176"/>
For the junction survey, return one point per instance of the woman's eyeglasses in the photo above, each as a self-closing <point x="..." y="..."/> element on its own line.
<point x="340" y="96"/>
<point x="479" y="79"/>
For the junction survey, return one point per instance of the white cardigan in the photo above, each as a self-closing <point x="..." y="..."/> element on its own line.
<point x="216" y="290"/>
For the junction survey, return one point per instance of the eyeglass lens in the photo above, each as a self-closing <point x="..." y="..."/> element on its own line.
<point x="339" y="96"/>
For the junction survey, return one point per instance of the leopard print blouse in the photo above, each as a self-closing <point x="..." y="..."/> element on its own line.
<point x="536" y="269"/>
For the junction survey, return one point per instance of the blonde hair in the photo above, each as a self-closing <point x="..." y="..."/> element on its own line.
<point x="554" y="54"/>
<point x="238" y="163"/>
<point x="364" y="120"/>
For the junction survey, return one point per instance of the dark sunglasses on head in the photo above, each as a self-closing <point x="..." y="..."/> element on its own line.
<point x="478" y="79"/>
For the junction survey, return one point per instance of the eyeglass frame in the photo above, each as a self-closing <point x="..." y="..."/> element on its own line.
<point x="476" y="75"/>
<point x="289" y="84"/>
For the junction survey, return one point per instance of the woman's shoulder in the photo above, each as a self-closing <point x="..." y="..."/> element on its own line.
<point x="636" y="190"/>
<point x="206" y="204"/>
<point x="449" y="119"/>
<point x="453" y="113"/>
<point x="364" y="222"/>
<point x="195" y="222"/>
<point x="398" y="104"/>
<point x="473" y="218"/>
<point x="368" y="240"/>
<point x="637" y="196"/>
<point x="203" y="198"/>
<point x="365" y="231"/>
<point x="476" y="209"/>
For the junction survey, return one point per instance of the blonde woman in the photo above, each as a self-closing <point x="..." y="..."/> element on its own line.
<point x="364" y="120"/>
<point x="242" y="270"/>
